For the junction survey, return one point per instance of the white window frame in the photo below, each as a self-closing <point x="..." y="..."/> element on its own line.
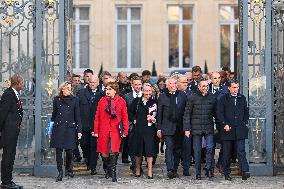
<point x="181" y="22"/>
<point x="232" y="22"/>
<point x="77" y="24"/>
<point x="128" y="23"/>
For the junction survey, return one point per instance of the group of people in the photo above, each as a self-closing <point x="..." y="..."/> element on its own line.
<point x="188" y="113"/>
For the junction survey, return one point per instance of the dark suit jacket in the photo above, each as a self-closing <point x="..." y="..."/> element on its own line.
<point x="88" y="107"/>
<point x="167" y="126"/>
<point x="236" y="116"/>
<point x="10" y="118"/>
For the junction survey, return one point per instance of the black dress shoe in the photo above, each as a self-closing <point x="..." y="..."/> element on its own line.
<point x="93" y="172"/>
<point x="198" y="177"/>
<point x="70" y="173"/>
<point x="137" y="175"/>
<point x="125" y="161"/>
<point x="150" y="177"/>
<point x="10" y="184"/>
<point x="170" y="174"/>
<point x="228" y="177"/>
<point x="77" y="159"/>
<point x="60" y="176"/>
<point x="245" y="175"/>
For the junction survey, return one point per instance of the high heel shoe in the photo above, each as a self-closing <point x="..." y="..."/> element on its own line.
<point x="150" y="177"/>
<point x="137" y="175"/>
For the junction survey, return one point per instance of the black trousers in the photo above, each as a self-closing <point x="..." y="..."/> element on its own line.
<point x="88" y="144"/>
<point x="59" y="159"/>
<point x="125" y="148"/>
<point x="7" y="163"/>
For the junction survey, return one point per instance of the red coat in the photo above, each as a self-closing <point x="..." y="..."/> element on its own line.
<point x="106" y="127"/>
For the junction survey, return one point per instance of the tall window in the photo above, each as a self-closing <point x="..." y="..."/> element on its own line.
<point x="229" y="34"/>
<point x="81" y="37"/>
<point x="180" y="28"/>
<point x="128" y="37"/>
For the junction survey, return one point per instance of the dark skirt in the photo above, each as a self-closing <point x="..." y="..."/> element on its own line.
<point x="64" y="137"/>
<point x="143" y="141"/>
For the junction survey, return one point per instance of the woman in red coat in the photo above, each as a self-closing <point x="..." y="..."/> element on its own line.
<point x="110" y="126"/>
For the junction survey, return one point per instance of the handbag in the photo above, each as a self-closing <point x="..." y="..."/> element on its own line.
<point x="120" y="126"/>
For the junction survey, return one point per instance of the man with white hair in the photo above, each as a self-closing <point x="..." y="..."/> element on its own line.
<point x="171" y="105"/>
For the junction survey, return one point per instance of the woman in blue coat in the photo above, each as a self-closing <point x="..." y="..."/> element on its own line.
<point x="66" y="118"/>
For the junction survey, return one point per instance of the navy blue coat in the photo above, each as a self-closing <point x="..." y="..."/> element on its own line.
<point x="66" y="117"/>
<point x="236" y="116"/>
<point x="167" y="126"/>
<point x="88" y="107"/>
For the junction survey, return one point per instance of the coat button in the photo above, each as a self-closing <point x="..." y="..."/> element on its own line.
<point x="60" y="105"/>
<point x="59" y="113"/>
<point x="66" y="121"/>
<point x="68" y="106"/>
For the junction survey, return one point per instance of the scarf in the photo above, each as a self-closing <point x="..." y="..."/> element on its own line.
<point x="111" y="107"/>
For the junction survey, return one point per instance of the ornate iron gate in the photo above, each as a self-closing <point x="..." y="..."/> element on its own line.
<point x="278" y="76"/>
<point x="35" y="42"/>
<point x="257" y="82"/>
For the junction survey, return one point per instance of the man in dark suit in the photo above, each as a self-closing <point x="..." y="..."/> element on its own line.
<point x="136" y="83"/>
<point x="171" y="106"/>
<point x="233" y="115"/>
<point x="11" y="113"/>
<point x="196" y="76"/>
<point x="89" y="98"/>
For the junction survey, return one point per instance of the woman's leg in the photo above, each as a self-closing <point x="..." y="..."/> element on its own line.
<point x="59" y="162"/>
<point x="138" y="164"/>
<point x="68" y="166"/>
<point x="150" y="167"/>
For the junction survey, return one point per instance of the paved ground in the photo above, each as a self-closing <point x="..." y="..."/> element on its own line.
<point x="126" y="180"/>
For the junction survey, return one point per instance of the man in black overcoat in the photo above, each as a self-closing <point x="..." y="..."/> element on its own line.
<point x="233" y="114"/>
<point x="89" y="98"/>
<point x="136" y="83"/>
<point x="11" y="113"/>
<point x="171" y="106"/>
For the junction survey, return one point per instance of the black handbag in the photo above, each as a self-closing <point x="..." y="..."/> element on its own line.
<point x="120" y="126"/>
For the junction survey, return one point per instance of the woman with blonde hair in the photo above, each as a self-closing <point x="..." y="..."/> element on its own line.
<point x="66" y="118"/>
<point x="110" y="126"/>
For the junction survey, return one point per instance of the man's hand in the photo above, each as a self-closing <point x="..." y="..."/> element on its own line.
<point x="187" y="134"/>
<point x="227" y="128"/>
<point x="159" y="133"/>
<point x="96" y="135"/>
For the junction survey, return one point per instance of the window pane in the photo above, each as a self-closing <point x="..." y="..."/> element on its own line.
<point x="84" y="13"/>
<point x="73" y="46"/>
<point x="173" y="13"/>
<point x="187" y="13"/>
<point x="173" y="45"/>
<point x="84" y="46"/>
<point x="225" y="13"/>
<point x="121" y="46"/>
<point x="136" y="46"/>
<point x="187" y="42"/>
<point x="122" y="13"/>
<point x="135" y="13"/>
<point x="225" y="45"/>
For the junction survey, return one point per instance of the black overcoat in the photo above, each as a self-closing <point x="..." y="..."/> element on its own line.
<point x="236" y="116"/>
<point x="66" y="117"/>
<point x="88" y="107"/>
<point x="11" y="115"/>
<point x="167" y="126"/>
